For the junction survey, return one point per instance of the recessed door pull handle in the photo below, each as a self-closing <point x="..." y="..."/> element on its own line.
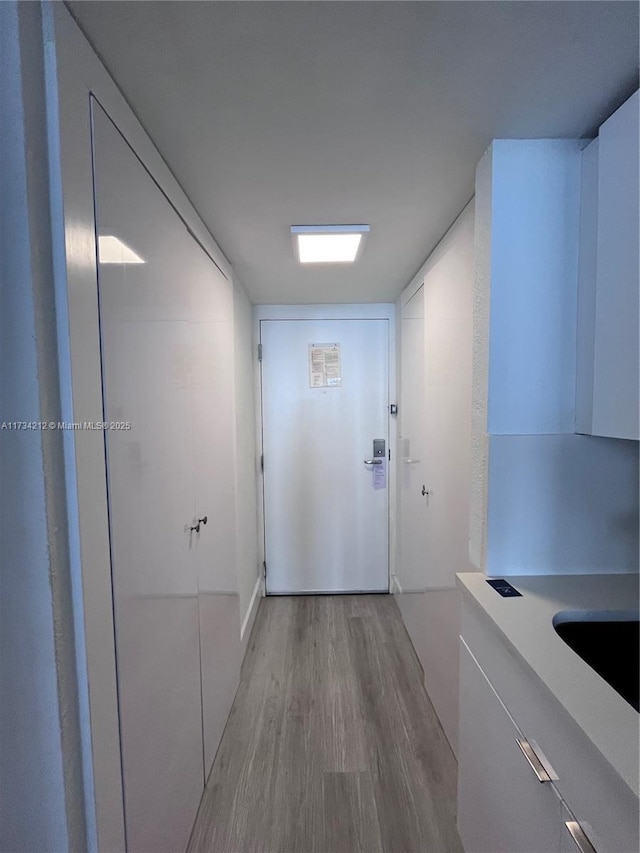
<point x="534" y="762"/>
<point x="578" y="834"/>
<point x="373" y="461"/>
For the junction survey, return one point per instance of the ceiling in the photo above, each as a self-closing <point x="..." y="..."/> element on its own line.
<point x="272" y="114"/>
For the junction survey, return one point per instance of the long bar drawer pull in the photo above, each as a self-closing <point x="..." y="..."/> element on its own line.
<point x="578" y="834"/>
<point x="534" y="762"/>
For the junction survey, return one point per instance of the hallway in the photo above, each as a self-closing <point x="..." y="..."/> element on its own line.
<point x="332" y="745"/>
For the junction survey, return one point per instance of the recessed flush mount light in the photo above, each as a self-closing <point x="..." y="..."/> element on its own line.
<point x="328" y="244"/>
<point x="111" y="250"/>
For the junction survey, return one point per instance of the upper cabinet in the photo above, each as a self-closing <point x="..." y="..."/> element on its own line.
<point x="607" y="401"/>
<point x="526" y="247"/>
<point x="543" y="499"/>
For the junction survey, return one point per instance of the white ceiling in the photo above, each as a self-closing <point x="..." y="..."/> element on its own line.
<point x="272" y="114"/>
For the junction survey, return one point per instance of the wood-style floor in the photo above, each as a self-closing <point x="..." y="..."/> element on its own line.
<point x="332" y="745"/>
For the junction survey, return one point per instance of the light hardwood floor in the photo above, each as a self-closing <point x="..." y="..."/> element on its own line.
<point x="332" y="745"/>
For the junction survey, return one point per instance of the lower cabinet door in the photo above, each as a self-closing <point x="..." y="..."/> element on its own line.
<point x="502" y="806"/>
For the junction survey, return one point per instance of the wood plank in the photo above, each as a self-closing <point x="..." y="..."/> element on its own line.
<point x="332" y="744"/>
<point x="351" y="818"/>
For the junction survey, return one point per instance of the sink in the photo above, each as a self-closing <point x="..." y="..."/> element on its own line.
<point x="607" y="640"/>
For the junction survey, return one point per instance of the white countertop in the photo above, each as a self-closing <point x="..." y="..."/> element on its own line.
<point x="526" y="624"/>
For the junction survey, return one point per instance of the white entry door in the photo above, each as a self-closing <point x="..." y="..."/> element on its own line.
<point x="324" y="402"/>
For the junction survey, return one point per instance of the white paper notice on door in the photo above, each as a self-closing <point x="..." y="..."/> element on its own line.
<point x="380" y="475"/>
<point x="325" y="369"/>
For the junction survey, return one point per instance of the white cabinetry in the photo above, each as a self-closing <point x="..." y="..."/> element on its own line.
<point x="608" y="357"/>
<point x="528" y="465"/>
<point x="502" y="806"/>
<point x="166" y="332"/>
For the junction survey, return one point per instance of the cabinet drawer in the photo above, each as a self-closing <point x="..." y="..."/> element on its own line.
<point x="502" y="806"/>
<point x="594" y="792"/>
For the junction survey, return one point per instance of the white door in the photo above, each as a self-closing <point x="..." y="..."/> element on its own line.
<point x="435" y="420"/>
<point x="412" y="460"/>
<point x="324" y="402"/>
<point x="166" y="337"/>
<point x="214" y="548"/>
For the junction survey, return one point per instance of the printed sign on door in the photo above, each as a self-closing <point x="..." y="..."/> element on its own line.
<point x="324" y="366"/>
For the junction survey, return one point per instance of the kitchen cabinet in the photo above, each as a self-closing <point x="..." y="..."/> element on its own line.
<point x="607" y="400"/>
<point x="527" y="461"/>
<point x="501" y="804"/>
<point x="526" y="276"/>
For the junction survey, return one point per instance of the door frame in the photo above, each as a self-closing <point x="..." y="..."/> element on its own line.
<point x="346" y="311"/>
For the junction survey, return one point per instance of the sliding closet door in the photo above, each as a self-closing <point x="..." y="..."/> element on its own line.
<point x="147" y="306"/>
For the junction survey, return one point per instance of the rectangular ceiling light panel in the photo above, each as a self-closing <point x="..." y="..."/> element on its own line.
<point x="328" y="244"/>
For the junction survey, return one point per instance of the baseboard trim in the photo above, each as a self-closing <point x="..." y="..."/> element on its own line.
<point x="394" y="587"/>
<point x="250" y="615"/>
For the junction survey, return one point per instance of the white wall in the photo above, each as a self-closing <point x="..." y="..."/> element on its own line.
<point x="480" y="363"/>
<point x="41" y="767"/>
<point x="562" y="503"/>
<point x="247" y="470"/>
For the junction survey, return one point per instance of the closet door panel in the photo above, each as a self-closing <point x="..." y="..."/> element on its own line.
<point x="213" y="437"/>
<point x="148" y="263"/>
<point x="412" y="473"/>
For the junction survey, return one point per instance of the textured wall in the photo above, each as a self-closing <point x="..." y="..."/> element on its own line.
<point x="480" y="381"/>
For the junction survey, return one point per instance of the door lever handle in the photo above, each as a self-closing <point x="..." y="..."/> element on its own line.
<point x="373" y="461"/>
